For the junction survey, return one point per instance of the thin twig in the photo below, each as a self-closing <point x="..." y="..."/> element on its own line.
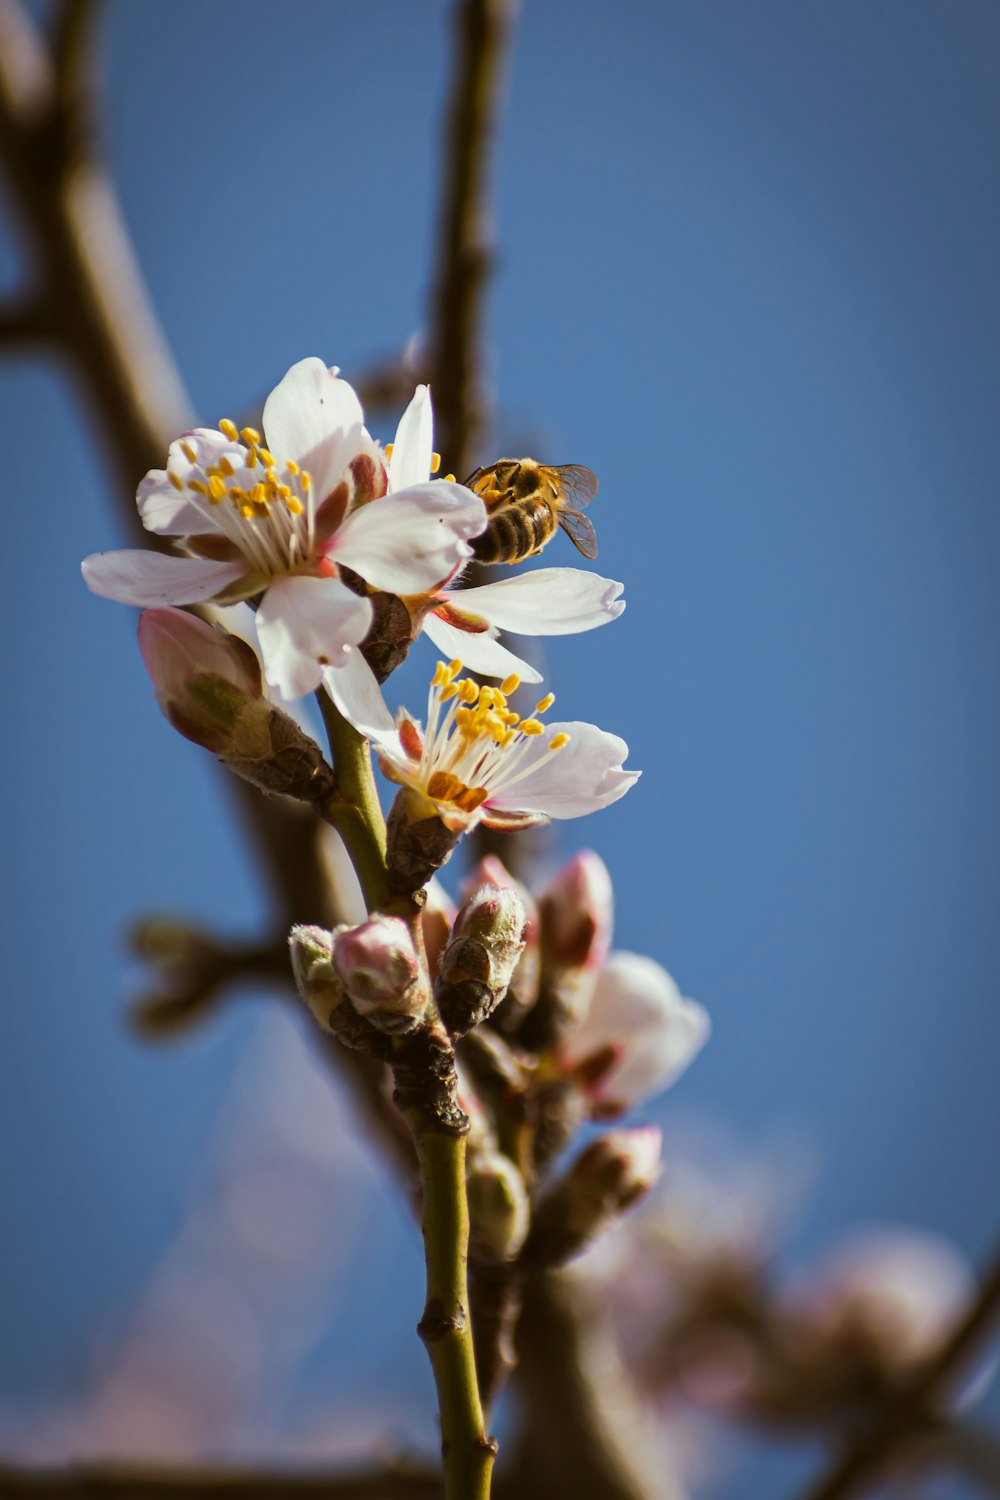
<point x="904" y="1415"/>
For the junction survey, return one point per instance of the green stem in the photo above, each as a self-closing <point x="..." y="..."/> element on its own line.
<point x="355" y="811"/>
<point x="445" y="1328"/>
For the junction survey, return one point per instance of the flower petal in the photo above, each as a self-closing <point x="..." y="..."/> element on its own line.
<point x="314" y="417"/>
<point x="356" y="693"/>
<point x="583" y="777"/>
<point x="548" y="601"/>
<point x="412" y="449"/>
<point x="133" y="576"/>
<point x="476" y="651"/>
<point x="305" y="625"/>
<point x="637" y="1007"/>
<point x="409" y="541"/>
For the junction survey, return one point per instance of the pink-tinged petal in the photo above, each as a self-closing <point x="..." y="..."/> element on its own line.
<point x="305" y="625"/>
<point x="407" y="542"/>
<point x="549" y="601"/>
<point x="412" y="449"/>
<point x="477" y="652"/>
<point x="314" y="417"/>
<point x="584" y="776"/>
<point x="166" y="510"/>
<point x="149" y="578"/>
<point x="356" y="693"/>
<point x="637" y="1008"/>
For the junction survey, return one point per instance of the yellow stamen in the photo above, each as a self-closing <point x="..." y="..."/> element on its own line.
<point x="228" y="429"/>
<point x="202" y="489"/>
<point x="189" y="453"/>
<point x="292" y="466"/>
<point x="251" y="437"/>
<point x="306" y="480"/>
<point x="532" y="726"/>
<point x="295" y="507"/>
<point x="266" y="459"/>
<point x="558" y="741"/>
<point x="544" y="704"/>
<point x="449" y="478"/>
<point x="216" y="488"/>
<point x="226" y="466"/>
<point x="435" y="462"/>
<point x="175" y="480"/>
<point x="510" y="684"/>
<point x="388" y="449"/>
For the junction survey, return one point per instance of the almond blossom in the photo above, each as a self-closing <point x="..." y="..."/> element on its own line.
<point x="276" y="517"/>
<point x="465" y="623"/>
<point x="479" y="761"/>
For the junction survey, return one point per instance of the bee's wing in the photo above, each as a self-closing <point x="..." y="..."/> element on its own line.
<point x="580" y="532"/>
<point x="579" y="483"/>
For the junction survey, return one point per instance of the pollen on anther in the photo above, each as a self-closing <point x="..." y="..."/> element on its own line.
<point x="435" y="462"/>
<point x="544" y="704"/>
<point x="175" y="480"/>
<point x="189" y="453"/>
<point x="558" y="741"/>
<point x="229" y="429"/>
<point x="531" y="726"/>
<point x="510" y="684"/>
<point x="388" y="449"/>
<point x="216" y="488"/>
<point x="251" y="437"/>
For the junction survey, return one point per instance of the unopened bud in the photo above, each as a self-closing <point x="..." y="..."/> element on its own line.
<point x="417" y="845"/>
<point x="479" y="961"/>
<point x="382" y="973"/>
<point x="311" y="951"/>
<point x="208" y="684"/>
<point x="577" y="910"/>
<point x="498" y="1206"/>
<point x="606" y="1180"/>
<point x="523" y="989"/>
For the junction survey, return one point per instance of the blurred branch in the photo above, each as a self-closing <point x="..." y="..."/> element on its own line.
<point x="901" y="1420"/>
<point x="141" y="1482"/>
<point x="967" y="1448"/>
<point x="464" y="257"/>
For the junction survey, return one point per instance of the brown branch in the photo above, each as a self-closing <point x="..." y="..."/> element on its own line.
<point x="464" y="256"/>
<point x="147" y="1482"/>
<point x="903" y="1417"/>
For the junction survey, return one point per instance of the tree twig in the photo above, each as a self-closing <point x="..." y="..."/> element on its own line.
<point x="149" y="1482"/>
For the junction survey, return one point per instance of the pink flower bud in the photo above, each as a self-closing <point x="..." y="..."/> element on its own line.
<point x="577" y="910"/>
<point x="379" y="968"/>
<point x="524" y="986"/>
<point x="477" y="965"/>
<point x="202" y="677"/>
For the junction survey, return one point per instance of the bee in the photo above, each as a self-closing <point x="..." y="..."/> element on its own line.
<point x="525" y="502"/>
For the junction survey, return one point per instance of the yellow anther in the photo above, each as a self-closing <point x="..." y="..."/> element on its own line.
<point x="251" y="437"/>
<point x="266" y="459"/>
<point x="532" y="726"/>
<point x="189" y="453"/>
<point x="258" y="494"/>
<point x="294" y="506"/>
<point x="510" y="717"/>
<point x="250" y="462"/>
<point x="440" y="675"/>
<point x="558" y="741"/>
<point x="197" y="484"/>
<point x="449" y="478"/>
<point x="284" y="491"/>
<point x="388" y="449"/>
<point x="292" y="466"/>
<point x="228" y="429"/>
<point x="237" y="493"/>
<point x="544" y="704"/>
<point x="175" y="480"/>
<point x="246" y="510"/>
<point x="226" y="466"/>
<point x="216" y="488"/>
<point x="307" y="479"/>
<point x="448" y="692"/>
<point x="454" y="667"/>
<point x="510" y="684"/>
<point x="467" y="691"/>
<point x="435" y="462"/>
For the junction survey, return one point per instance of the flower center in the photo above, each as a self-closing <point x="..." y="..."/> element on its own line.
<point x="266" y="511"/>
<point x="475" y="742"/>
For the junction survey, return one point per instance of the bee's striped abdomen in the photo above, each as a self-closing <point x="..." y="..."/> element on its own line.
<point x="515" y="531"/>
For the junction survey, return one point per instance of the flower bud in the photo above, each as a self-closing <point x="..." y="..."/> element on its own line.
<point x="311" y="951"/>
<point x="417" y="843"/>
<point x="209" y="686"/>
<point x="577" y="909"/>
<point x="523" y="989"/>
<point x="382" y="973"/>
<point x="498" y="1206"/>
<point x="477" y="965"/>
<point x="606" y="1180"/>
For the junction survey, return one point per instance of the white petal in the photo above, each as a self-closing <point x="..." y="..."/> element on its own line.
<point x="408" y="542"/>
<point x="549" y="601"/>
<point x="314" y="417"/>
<point x="637" y="1006"/>
<point x="305" y="625"/>
<point x="167" y="511"/>
<point x="477" y="652"/>
<point x="357" y="695"/>
<point x="133" y="576"/>
<point x="411" y="452"/>
<point x="583" y="777"/>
